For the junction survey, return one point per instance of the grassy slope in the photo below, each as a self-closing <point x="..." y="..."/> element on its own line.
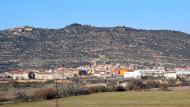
<point x="118" y="99"/>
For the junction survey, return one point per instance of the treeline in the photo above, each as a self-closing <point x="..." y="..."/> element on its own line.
<point x="75" y="89"/>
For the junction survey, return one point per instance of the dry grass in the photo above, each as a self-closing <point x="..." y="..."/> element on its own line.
<point x="118" y="99"/>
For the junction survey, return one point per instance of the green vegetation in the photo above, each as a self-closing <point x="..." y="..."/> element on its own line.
<point x="118" y="99"/>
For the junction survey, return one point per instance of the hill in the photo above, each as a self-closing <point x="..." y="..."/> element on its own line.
<point x="76" y="44"/>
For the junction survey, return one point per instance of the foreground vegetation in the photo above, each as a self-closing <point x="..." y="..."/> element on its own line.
<point x="117" y="99"/>
<point x="25" y="92"/>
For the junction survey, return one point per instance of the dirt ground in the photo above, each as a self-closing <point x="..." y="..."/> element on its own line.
<point x="178" y="88"/>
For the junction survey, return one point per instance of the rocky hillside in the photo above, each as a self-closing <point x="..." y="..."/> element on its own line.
<point x="75" y="45"/>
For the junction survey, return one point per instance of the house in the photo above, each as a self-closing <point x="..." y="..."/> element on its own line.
<point x="22" y="29"/>
<point x="153" y="72"/>
<point x="119" y="72"/>
<point x="183" y="72"/>
<point x="133" y="74"/>
<point x="102" y="71"/>
<point x="115" y="73"/>
<point x="44" y="76"/>
<point x="66" y="72"/>
<point x="18" y="74"/>
<point x="70" y="72"/>
<point x="170" y="75"/>
<point x="48" y="76"/>
<point x="58" y="76"/>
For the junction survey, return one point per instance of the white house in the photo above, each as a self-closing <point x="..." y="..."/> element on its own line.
<point x="18" y="74"/>
<point x="48" y="76"/>
<point x="152" y="72"/>
<point x="182" y="71"/>
<point x="170" y="75"/>
<point x="134" y="74"/>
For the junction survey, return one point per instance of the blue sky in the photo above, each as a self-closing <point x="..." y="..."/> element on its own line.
<point x="142" y="14"/>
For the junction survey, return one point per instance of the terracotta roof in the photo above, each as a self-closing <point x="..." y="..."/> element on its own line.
<point x="18" y="72"/>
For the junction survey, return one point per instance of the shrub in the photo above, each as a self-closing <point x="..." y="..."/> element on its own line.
<point x="99" y="88"/>
<point x="93" y="89"/>
<point x="150" y="84"/>
<point x="21" y="96"/>
<point x="184" y="82"/>
<point x="103" y="89"/>
<point x="129" y="87"/>
<point x="4" y="87"/>
<point x="135" y="84"/>
<point x="49" y="93"/>
<point x="148" y="77"/>
<point x="84" y="91"/>
<point x="50" y="81"/>
<point x="178" y="83"/>
<point x="3" y="98"/>
<point x="172" y="82"/>
<point x="164" y="87"/>
<point x="112" y="88"/>
<point x="120" y="88"/>
<point x="72" y="89"/>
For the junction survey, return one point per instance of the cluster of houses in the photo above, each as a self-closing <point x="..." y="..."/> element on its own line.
<point x="59" y="73"/>
<point x="109" y="71"/>
<point x="99" y="71"/>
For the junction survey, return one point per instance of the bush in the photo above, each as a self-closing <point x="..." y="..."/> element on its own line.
<point x="4" y="87"/>
<point x="129" y="87"/>
<point x="93" y="89"/>
<point x="150" y="84"/>
<point x="49" y="93"/>
<point x="172" y="82"/>
<point x="99" y="89"/>
<point x="21" y="96"/>
<point x="120" y="88"/>
<point x="103" y="89"/>
<point x="72" y="89"/>
<point x="50" y="81"/>
<point x="148" y="77"/>
<point x="184" y="82"/>
<point x="3" y="98"/>
<point x="84" y="91"/>
<point x="135" y="84"/>
<point x="178" y="83"/>
<point x="111" y="88"/>
<point x="164" y="87"/>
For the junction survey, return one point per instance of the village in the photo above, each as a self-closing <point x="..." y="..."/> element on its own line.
<point x="100" y="71"/>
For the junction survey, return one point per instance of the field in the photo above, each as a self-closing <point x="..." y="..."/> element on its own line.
<point x="118" y="99"/>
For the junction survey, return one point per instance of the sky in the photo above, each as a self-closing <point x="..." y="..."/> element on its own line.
<point x="140" y="14"/>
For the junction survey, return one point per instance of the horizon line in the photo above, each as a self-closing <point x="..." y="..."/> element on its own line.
<point x="100" y="26"/>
